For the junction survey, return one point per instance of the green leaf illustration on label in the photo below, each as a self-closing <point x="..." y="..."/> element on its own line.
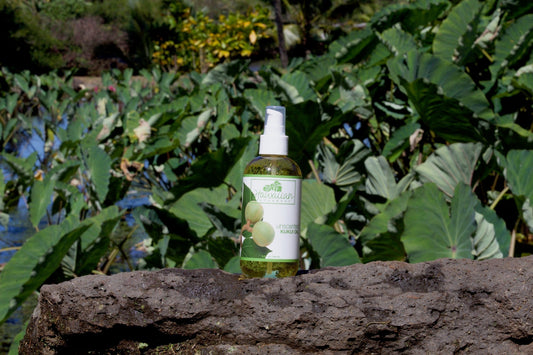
<point x="250" y="248"/>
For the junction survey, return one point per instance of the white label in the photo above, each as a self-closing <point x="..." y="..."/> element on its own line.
<point x="271" y="223"/>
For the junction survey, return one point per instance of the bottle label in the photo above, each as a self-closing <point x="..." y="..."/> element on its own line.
<point x="271" y="218"/>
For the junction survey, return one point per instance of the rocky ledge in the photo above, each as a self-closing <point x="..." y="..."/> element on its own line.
<point x="439" y="307"/>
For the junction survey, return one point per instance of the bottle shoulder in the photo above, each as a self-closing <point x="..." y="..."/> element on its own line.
<point x="273" y="165"/>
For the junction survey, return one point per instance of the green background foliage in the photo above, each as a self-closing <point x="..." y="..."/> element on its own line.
<point x="413" y="134"/>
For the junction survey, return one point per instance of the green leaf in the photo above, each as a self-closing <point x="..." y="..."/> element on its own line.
<point x="412" y="16"/>
<point x="457" y="33"/>
<point x="354" y="46"/>
<point x="36" y="260"/>
<point x="380" y="180"/>
<point x="99" y="167"/>
<point x="346" y="172"/>
<point x="189" y="207"/>
<point x="485" y="243"/>
<point x="450" y="165"/>
<point x="512" y="46"/>
<point x="380" y="238"/>
<point x="434" y="231"/>
<point x="233" y="265"/>
<point x="211" y="169"/>
<point x="318" y="200"/>
<point x="518" y="171"/>
<point x="334" y="249"/>
<point x="200" y="260"/>
<point x="297" y="87"/>
<point x="397" y="41"/>
<point x="434" y="85"/>
<point x="260" y="99"/>
<point x="41" y="194"/>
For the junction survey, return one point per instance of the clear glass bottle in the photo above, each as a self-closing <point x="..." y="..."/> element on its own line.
<point x="270" y="236"/>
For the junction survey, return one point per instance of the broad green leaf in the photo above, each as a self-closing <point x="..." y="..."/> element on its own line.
<point x="450" y="165"/>
<point x="354" y="46"/>
<point x="433" y="230"/>
<point x="513" y="45"/>
<point x="200" y="260"/>
<point x="450" y="85"/>
<point x="334" y="249"/>
<point x="233" y="265"/>
<point x="211" y="169"/>
<point x="398" y="41"/>
<point x="22" y="167"/>
<point x="189" y="207"/>
<point x="317" y="201"/>
<point x="380" y="180"/>
<point x="399" y="141"/>
<point x="297" y="87"/>
<point x="99" y="167"/>
<point x="36" y="260"/>
<point x="344" y="173"/>
<point x="518" y="172"/>
<point x="41" y="198"/>
<point x="485" y="244"/>
<point x="412" y="16"/>
<point x="457" y="32"/>
<point x="234" y="177"/>
<point x="260" y="99"/>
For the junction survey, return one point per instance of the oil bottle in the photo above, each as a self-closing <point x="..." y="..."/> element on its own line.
<point x="270" y="235"/>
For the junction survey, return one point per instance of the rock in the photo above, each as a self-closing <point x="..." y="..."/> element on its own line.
<point x="440" y="307"/>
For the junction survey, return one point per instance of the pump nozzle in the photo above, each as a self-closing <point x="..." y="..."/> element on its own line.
<point x="273" y="140"/>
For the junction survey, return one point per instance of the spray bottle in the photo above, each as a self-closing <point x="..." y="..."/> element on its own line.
<point x="270" y="236"/>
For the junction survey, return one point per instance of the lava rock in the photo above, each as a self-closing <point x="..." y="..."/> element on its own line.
<point x="443" y="306"/>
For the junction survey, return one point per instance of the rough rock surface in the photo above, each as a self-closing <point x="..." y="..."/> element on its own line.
<point x="440" y="307"/>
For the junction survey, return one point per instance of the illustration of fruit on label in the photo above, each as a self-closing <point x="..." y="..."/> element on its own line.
<point x="271" y="218"/>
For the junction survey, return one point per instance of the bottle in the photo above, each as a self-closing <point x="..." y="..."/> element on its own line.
<point x="270" y="235"/>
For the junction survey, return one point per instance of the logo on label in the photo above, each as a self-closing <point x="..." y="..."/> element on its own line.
<point x="277" y="191"/>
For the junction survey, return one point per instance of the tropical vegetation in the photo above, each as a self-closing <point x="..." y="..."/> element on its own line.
<point x="414" y="135"/>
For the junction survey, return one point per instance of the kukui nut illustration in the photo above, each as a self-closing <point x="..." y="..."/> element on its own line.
<point x="263" y="233"/>
<point x="253" y="212"/>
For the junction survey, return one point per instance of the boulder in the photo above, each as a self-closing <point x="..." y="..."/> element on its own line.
<point x="440" y="307"/>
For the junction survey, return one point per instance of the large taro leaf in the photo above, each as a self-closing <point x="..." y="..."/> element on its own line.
<point x="36" y="260"/>
<point x="518" y="170"/>
<point x="450" y="165"/>
<point x="318" y="200"/>
<point x="513" y="46"/>
<point x="457" y="33"/>
<point x="41" y="194"/>
<point x="307" y="125"/>
<point x="438" y="88"/>
<point x="412" y="16"/>
<point x="398" y="41"/>
<point x="333" y="248"/>
<point x="354" y="46"/>
<point x="345" y="172"/>
<point x="200" y="260"/>
<point x="297" y="87"/>
<point x="380" y="238"/>
<point x="98" y="164"/>
<point x="433" y="231"/>
<point x="189" y="207"/>
<point x="211" y="169"/>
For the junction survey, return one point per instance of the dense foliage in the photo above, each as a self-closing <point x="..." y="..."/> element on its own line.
<point x="414" y="135"/>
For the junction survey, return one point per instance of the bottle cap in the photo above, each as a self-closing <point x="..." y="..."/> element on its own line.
<point x="273" y="141"/>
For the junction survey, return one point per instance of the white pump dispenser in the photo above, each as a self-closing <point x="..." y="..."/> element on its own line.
<point x="273" y="141"/>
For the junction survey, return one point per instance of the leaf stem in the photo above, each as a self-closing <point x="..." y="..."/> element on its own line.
<point x="500" y="196"/>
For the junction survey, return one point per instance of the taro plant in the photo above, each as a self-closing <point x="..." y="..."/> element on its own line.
<point x="414" y="136"/>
